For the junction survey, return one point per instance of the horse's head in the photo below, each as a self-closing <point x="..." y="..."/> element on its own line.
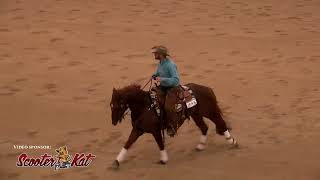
<point x="118" y="106"/>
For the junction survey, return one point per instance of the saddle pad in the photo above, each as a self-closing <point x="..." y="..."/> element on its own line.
<point x="185" y="87"/>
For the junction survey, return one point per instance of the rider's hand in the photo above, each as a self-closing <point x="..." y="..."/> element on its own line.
<point x="158" y="79"/>
<point x="154" y="77"/>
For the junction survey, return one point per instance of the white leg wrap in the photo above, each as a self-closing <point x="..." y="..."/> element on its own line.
<point x="227" y="134"/>
<point x="122" y="155"/>
<point x="203" y="142"/>
<point x="230" y="139"/>
<point x="201" y="146"/>
<point x="164" y="156"/>
<point x="203" y="139"/>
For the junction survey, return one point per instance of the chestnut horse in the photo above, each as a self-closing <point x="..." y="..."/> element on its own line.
<point x="145" y="119"/>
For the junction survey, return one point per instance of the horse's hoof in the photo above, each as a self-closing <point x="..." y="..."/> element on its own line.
<point x="200" y="147"/>
<point x="235" y="146"/>
<point x="170" y="133"/>
<point x="162" y="162"/>
<point x="115" y="164"/>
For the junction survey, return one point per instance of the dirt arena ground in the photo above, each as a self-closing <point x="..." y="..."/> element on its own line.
<point x="60" y="59"/>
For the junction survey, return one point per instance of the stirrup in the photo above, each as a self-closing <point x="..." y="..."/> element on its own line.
<point x="173" y="132"/>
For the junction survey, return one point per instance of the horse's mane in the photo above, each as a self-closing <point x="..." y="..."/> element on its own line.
<point x="130" y="88"/>
<point x="132" y="92"/>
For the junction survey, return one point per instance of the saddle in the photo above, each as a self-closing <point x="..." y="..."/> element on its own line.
<point x="186" y="99"/>
<point x="184" y="95"/>
<point x="182" y="99"/>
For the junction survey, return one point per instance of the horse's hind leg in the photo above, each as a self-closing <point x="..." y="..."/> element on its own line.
<point x="134" y="135"/>
<point x="163" y="153"/>
<point x="204" y="129"/>
<point x="221" y="126"/>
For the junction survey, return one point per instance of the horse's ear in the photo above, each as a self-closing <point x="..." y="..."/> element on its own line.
<point x="115" y="91"/>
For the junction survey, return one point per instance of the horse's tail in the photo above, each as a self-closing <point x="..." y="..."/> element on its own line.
<point x="214" y="99"/>
<point x="219" y="110"/>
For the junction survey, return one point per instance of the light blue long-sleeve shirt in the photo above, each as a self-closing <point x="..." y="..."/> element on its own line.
<point x="168" y="73"/>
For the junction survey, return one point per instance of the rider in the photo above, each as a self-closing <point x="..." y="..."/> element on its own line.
<point x="166" y="74"/>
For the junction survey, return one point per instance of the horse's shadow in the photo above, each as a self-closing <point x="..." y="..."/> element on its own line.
<point x="179" y="156"/>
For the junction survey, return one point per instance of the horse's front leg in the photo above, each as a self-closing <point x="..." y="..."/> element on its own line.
<point x="163" y="153"/>
<point x="134" y="135"/>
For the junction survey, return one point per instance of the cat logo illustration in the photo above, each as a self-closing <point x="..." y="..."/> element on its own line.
<point x="64" y="159"/>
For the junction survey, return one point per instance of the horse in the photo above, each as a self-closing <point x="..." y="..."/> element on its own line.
<point x="145" y="119"/>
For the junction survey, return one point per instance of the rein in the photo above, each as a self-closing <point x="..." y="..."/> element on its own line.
<point x="127" y="111"/>
<point x="150" y="80"/>
<point x="161" y="113"/>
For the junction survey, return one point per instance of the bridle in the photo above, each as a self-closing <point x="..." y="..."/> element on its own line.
<point x="150" y="81"/>
<point x="122" y="105"/>
<point x="125" y="112"/>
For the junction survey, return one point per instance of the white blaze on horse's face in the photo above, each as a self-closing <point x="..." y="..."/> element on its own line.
<point x="118" y="107"/>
